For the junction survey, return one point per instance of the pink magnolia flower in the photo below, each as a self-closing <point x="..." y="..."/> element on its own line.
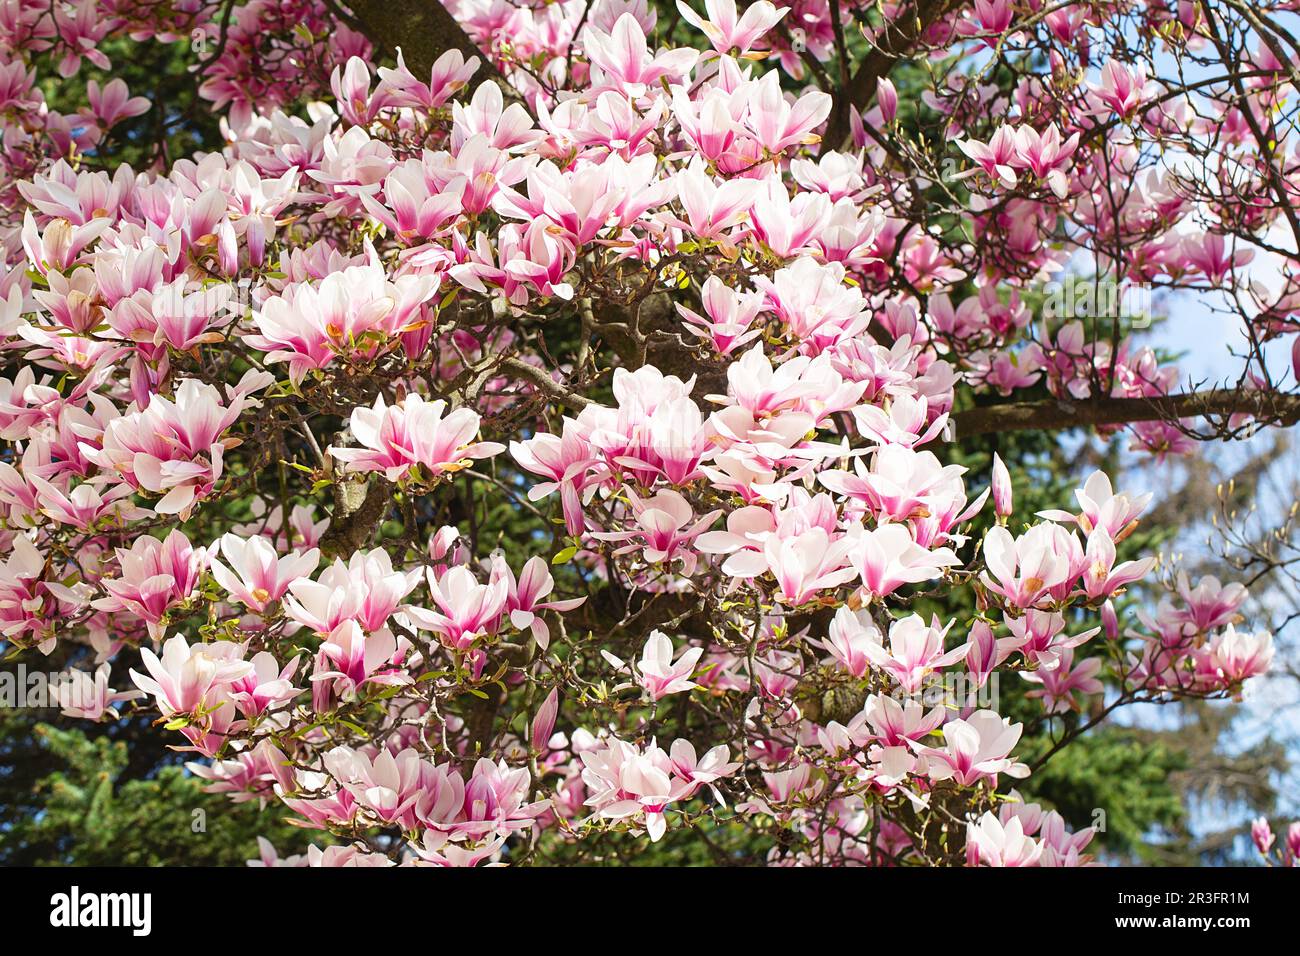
<point x="997" y="158"/>
<point x="1261" y="834"/>
<point x="1039" y="636"/>
<point x="730" y="315"/>
<point x="345" y="856"/>
<point x="266" y="686"/>
<point x="729" y="33"/>
<point x="1210" y="604"/>
<point x="524" y="597"/>
<point x="81" y="507"/>
<point x="486" y="114"/>
<point x="248" y="775"/>
<point x="1101" y="507"/>
<point x="193" y="682"/>
<point x="415" y="207"/>
<point x="448" y="76"/>
<point x="887" y="99"/>
<point x="712" y="209"/>
<point x="809" y="562"/>
<point x="779" y="124"/>
<point x="544" y="720"/>
<point x="357" y="312"/>
<point x="351" y="87"/>
<point x="905" y="420"/>
<point x="32" y="605"/>
<point x="694" y="771"/>
<point x="1045" y="155"/>
<point x="1026" y="568"/>
<point x="174" y="315"/>
<point x="664" y="528"/>
<point x="670" y="440"/>
<point x="801" y="383"/>
<point x="908" y="486"/>
<point x="657" y="673"/>
<point x="984" y="652"/>
<point x="366" y="590"/>
<point x="495" y="800"/>
<point x="788" y="785"/>
<point x="386" y="786"/>
<point x="895" y="723"/>
<point x="623" y="62"/>
<point x="466" y="610"/>
<point x="777" y="673"/>
<point x="888" y="557"/>
<point x="1061" y="682"/>
<point x="330" y="802"/>
<point x="848" y="638"/>
<point x="989" y="842"/>
<point x="1110" y="620"/>
<point x="579" y="203"/>
<point x="80" y="694"/>
<point x="788" y="226"/>
<point x="171" y="447"/>
<point x="710" y="123"/>
<point x="1122" y="88"/>
<point x="915" y="651"/>
<point x="532" y="259"/>
<point x="625" y="782"/>
<point x="304" y="531"/>
<point x="975" y="749"/>
<point x="60" y="244"/>
<point x="1212" y="255"/>
<point x="260" y="576"/>
<point x="413" y="433"/>
<point x="438" y="849"/>
<point x="566" y="460"/>
<point x="1103" y="577"/>
<point x="154" y="576"/>
<point x="815" y="304"/>
<point x="353" y="658"/>
<point x="112" y="103"/>
<point x="1238" y="655"/>
<point x="747" y="529"/>
<point x="1060" y="847"/>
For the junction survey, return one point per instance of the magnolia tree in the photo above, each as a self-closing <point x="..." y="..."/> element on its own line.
<point x="527" y="434"/>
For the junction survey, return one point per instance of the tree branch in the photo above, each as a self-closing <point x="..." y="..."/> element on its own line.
<point x="1054" y="414"/>
<point x="897" y="39"/>
<point x="358" y="509"/>
<point x="544" y="383"/>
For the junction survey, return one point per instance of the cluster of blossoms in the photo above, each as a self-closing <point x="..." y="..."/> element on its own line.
<point x="1007" y="838"/>
<point x="1287" y="853"/>
<point x="728" y="360"/>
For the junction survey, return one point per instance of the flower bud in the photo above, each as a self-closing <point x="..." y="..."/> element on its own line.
<point x="1262" y="834"/>
<point x="544" y="722"/>
<point x="1001" y="488"/>
<point x="887" y="100"/>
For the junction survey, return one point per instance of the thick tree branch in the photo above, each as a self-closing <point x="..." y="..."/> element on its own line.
<point x="1052" y="414"/>
<point x="358" y="509"/>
